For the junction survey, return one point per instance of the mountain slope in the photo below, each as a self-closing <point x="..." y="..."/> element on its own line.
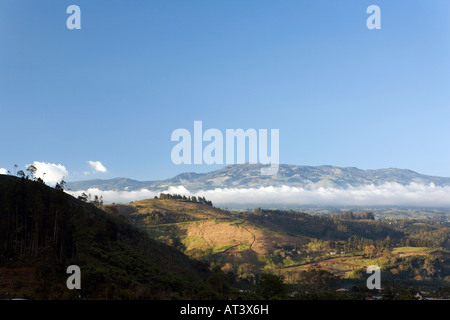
<point x="44" y="230"/>
<point x="252" y="238"/>
<point x="248" y="176"/>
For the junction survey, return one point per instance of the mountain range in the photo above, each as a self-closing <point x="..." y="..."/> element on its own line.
<point x="248" y="176"/>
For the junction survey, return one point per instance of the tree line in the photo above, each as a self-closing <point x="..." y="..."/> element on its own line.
<point x="31" y="175"/>
<point x="179" y="197"/>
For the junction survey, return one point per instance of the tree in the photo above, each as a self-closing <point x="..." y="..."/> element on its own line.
<point x="370" y="251"/>
<point x="219" y="282"/>
<point x="60" y="185"/>
<point x="98" y="201"/>
<point x="387" y="242"/>
<point x="319" y="281"/>
<point x="63" y="183"/>
<point x="21" y="174"/>
<point x="83" y="197"/>
<point x="430" y="266"/>
<point x="246" y="272"/>
<point x="31" y="170"/>
<point x="271" y="286"/>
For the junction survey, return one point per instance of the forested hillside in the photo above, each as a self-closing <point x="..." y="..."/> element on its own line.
<point x="44" y="230"/>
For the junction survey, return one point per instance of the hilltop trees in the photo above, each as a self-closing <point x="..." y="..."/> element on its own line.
<point x="60" y="185"/>
<point x="31" y="170"/>
<point x="178" y="197"/>
<point x="84" y="197"/>
<point x="98" y="201"/>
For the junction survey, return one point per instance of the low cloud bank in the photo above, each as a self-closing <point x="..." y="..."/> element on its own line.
<point x="388" y="194"/>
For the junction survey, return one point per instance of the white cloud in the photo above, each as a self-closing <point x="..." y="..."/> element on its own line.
<point x="117" y="196"/>
<point x="388" y="194"/>
<point x="3" y="171"/>
<point x="49" y="172"/>
<point x="97" y="166"/>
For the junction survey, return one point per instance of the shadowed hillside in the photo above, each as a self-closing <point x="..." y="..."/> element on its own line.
<point x="44" y="230"/>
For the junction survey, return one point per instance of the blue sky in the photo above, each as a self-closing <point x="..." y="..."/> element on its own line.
<point x="114" y="91"/>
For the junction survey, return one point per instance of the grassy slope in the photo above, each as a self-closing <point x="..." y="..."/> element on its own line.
<point x="208" y="232"/>
<point x="235" y="240"/>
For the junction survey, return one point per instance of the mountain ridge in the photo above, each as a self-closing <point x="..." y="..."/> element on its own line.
<point x="248" y="176"/>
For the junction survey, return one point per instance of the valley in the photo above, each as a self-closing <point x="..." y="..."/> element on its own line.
<point x="290" y="244"/>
